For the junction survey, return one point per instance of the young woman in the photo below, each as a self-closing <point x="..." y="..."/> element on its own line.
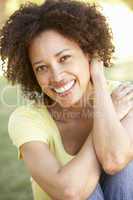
<point x="76" y="138"/>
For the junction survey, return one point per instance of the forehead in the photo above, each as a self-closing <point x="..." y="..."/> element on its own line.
<point x="50" y="42"/>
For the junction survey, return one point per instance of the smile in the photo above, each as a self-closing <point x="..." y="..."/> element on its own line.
<point x="65" y="89"/>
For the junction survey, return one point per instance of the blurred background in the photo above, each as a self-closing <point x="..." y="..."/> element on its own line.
<point x="15" y="181"/>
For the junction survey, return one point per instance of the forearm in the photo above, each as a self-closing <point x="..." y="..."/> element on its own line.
<point x="112" y="143"/>
<point x="75" y="180"/>
<point x="83" y="172"/>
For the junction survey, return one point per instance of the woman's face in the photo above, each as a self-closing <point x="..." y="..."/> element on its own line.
<point x="60" y="66"/>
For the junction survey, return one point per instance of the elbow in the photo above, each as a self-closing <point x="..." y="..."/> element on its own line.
<point x="111" y="169"/>
<point x="81" y="193"/>
<point x="71" y="194"/>
<point x="112" y="166"/>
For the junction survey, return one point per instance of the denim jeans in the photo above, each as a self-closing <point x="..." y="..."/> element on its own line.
<point x="115" y="187"/>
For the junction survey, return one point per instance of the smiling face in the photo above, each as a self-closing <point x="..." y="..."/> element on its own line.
<point x="60" y="66"/>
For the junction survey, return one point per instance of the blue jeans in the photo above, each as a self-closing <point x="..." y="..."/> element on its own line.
<point x="115" y="187"/>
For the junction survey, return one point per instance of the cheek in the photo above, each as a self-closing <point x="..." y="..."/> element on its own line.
<point x="43" y="81"/>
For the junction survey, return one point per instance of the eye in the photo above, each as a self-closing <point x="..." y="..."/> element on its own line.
<point x="65" y="58"/>
<point x="41" y="68"/>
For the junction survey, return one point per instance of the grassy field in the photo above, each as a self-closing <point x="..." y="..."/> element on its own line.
<point x="14" y="179"/>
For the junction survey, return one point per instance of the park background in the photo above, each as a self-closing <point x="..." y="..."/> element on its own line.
<point x="14" y="178"/>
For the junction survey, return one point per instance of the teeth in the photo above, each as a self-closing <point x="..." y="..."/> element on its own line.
<point x="64" y="88"/>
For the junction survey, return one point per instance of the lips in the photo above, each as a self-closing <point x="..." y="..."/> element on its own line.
<point x="59" y="84"/>
<point x="65" y="89"/>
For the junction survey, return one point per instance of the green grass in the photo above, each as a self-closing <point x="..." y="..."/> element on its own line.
<point x="14" y="179"/>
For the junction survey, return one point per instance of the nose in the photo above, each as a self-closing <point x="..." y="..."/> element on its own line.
<point x="56" y="73"/>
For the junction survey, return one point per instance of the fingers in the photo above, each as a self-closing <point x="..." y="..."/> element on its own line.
<point x="120" y="87"/>
<point x="123" y="90"/>
<point x="122" y="98"/>
<point x="127" y="89"/>
<point x="129" y="96"/>
<point x="96" y="70"/>
<point x="96" y="61"/>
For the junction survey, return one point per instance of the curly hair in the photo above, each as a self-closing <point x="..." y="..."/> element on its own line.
<point x="79" y="21"/>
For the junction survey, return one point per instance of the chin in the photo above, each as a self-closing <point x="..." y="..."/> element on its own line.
<point x="73" y="99"/>
<point x="71" y="103"/>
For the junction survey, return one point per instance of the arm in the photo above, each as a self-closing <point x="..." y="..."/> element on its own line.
<point x="76" y="180"/>
<point x="111" y="141"/>
<point x="127" y="123"/>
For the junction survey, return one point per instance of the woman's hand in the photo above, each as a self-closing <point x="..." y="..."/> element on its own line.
<point x="122" y="98"/>
<point x="96" y="69"/>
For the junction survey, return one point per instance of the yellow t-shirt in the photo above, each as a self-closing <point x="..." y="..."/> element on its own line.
<point x="34" y="123"/>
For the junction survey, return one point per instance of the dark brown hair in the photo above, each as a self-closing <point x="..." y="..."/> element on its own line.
<point x="82" y="22"/>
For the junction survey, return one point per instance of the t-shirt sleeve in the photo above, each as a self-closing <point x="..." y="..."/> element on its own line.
<point x="26" y="125"/>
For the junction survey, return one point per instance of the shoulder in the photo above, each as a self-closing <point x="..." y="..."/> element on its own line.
<point x="29" y="122"/>
<point x="30" y="112"/>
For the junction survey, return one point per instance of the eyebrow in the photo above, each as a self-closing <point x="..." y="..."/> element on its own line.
<point x="56" y="55"/>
